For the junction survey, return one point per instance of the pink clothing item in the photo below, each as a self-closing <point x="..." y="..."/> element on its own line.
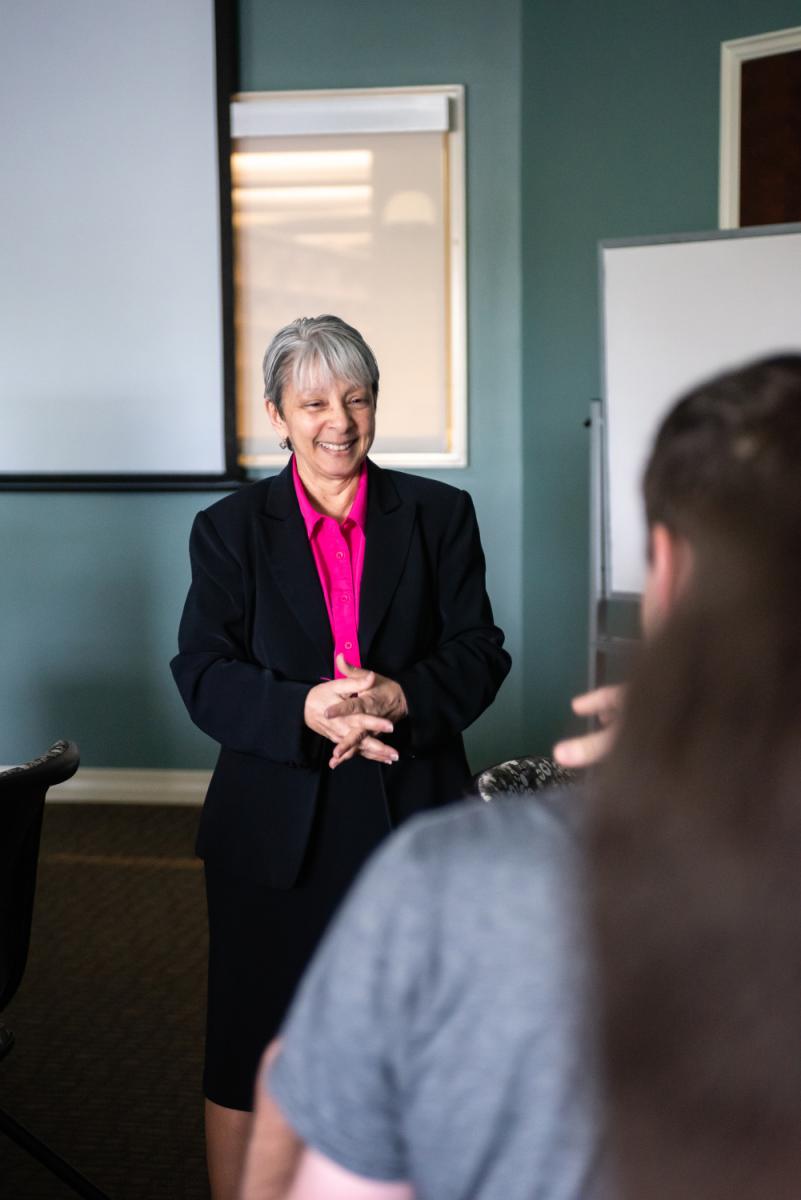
<point x="338" y="549"/>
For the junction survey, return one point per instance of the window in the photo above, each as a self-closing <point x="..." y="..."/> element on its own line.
<point x="353" y="203"/>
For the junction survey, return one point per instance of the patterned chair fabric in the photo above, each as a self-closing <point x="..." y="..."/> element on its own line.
<point x="519" y="775"/>
<point x="55" y="751"/>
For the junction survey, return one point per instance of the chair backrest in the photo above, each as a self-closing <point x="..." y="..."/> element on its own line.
<point x="22" y="796"/>
<point x="520" y="775"/>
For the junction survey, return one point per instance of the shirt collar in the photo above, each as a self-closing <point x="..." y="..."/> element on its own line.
<point x="358" y="510"/>
<point x="311" y="517"/>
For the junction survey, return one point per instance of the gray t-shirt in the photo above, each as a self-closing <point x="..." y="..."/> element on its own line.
<point x="439" y="1034"/>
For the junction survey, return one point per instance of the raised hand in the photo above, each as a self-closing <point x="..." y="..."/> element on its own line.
<point x="605" y="703"/>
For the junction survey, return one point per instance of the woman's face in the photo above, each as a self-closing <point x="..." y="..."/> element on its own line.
<point x="331" y="424"/>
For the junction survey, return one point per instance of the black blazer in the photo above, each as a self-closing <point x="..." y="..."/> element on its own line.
<point x="255" y="637"/>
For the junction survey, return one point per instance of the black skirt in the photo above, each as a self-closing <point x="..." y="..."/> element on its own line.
<point x="260" y="939"/>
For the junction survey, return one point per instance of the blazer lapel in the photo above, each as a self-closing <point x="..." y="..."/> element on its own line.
<point x="390" y="520"/>
<point x="289" y="558"/>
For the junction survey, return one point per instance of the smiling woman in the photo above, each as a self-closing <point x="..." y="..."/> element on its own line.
<point x="321" y="398"/>
<point x="331" y="420"/>
<point x="337" y="625"/>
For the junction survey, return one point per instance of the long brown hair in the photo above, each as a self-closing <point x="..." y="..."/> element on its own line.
<point x="695" y="870"/>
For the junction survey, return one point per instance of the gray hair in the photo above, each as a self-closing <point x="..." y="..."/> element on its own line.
<point x="315" y="345"/>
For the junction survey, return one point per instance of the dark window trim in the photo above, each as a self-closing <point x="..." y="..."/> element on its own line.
<point x="120" y="483"/>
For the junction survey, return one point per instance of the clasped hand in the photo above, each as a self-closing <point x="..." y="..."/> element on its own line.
<point x="352" y="711"/>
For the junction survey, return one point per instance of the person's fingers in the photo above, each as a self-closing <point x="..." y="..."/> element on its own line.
<point x="346" y="667"/>
<point x="373" y="702"/>
<point x="360" y="723"/>
<point x="602" y="702"/>
<point x="336" y="760"/>
<point x="346" y="730"/>
<point x="586" y="750"/>
<point x="348" y="741"/>
<point x="346" y="747"/>
<point x="368" y="747"/>
<point x="377" y="751"/>
<point x="344" y="708"/>
<point x="367" y="723"/>
<point x="361" y="741"/>
<point x="370" y="703"/>
<point x="359" y="677"/>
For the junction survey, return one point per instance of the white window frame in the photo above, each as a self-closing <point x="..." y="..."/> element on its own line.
<point x="388" y="110"/>
<point x="732" y="56"/>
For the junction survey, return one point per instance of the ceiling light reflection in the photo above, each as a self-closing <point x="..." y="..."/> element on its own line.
<point x="278" y="166"/>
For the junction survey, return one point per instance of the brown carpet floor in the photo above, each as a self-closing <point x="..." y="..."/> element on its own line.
<point x="109" y="1017"/>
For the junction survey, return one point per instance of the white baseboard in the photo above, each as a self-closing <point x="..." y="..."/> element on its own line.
<point x="111" y="785"/>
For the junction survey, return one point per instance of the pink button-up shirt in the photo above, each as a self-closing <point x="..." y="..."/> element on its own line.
<point x="338" y="549"/>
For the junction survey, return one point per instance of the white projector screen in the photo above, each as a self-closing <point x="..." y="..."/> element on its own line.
<point x="112" y="360"/>
<point x="676" y="311"/>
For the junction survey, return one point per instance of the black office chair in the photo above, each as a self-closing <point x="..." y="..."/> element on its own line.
<point x="22" y="796"/>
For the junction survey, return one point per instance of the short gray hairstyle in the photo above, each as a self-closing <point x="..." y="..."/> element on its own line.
<point x="324" y="344"/>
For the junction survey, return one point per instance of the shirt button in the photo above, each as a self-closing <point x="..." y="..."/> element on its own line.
<point x="348" y="645"/>
<point x="340" y="553"/>
<point x="345" y="597"/>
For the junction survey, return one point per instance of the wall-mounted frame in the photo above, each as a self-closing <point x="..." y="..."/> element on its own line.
<point x="675" y="310"/>
<point x="353" y="202"/>
<point x="115" y="236"/>
<point x="759" y="122"/>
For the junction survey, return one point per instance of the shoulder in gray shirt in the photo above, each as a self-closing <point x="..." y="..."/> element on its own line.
<point x="439" y="1034"/>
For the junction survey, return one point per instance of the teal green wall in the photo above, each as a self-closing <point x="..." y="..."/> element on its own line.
<point x="619" y="139"/>
<point x="365" y="44"/>
<point x="91" y="606"/>
<point x="91" y="592"/>
<point x="585" y="121"/>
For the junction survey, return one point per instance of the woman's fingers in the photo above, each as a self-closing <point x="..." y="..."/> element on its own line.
<point x="356" y="726"/>
<point x="323" y="697"/>
<point x="360" y="677"/>
<point x="368" y="723"/>
<point x="368" y="702"/>
<point x="377" y="751"/>
<point x="386" y="699"/>
<point x="347" y="693"/>
<point x="367" y="692"/>
<point x="339" y="756"/>
<point x="345" y="708"/>
<point x="346" y="748"/>
<point x="360" y="739"/>
<point x="368" y="747"/>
